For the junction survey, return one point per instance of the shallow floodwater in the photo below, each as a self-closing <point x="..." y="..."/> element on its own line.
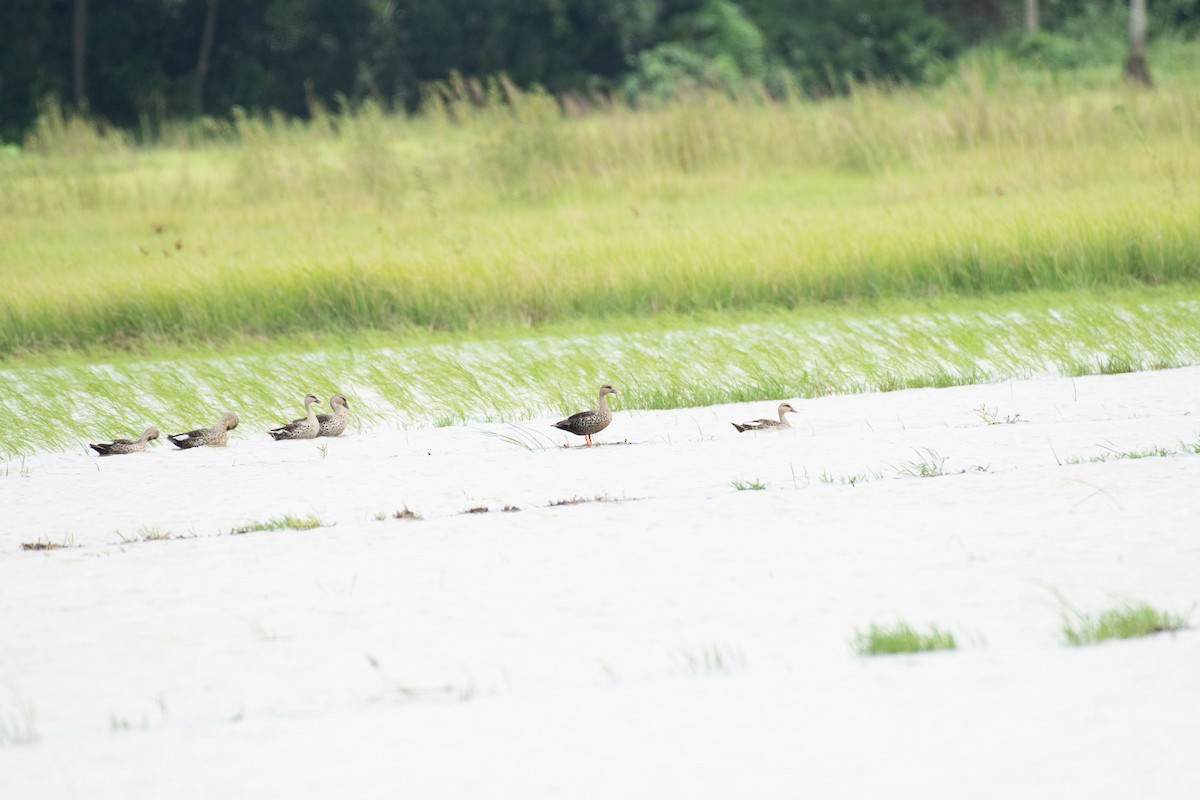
<point x="668" y="635"/>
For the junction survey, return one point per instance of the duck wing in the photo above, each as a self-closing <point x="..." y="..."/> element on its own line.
<point x="579" y="422"/>
<point x="296" y="429"/>
<point x="190" y="439"/>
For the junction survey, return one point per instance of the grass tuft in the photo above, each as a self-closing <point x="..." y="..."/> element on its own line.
<point x="900" y="638"/>
<point x="524" y="438"/>
<point x="755" y="485"/>
<point x="713" y="658"/>
<point x="18" y="722"/>
<point x="990" y="416"/>
<point x="574" y="501"/>
<point x="285" y="522"/>
<point x="928" y="464"/>
<point x="1127" y="621"/>
<point x="147" y="534"/>
<point x="828" y="477"/>
<point x="1112" y="454"/>
<point x="46" y="544"/>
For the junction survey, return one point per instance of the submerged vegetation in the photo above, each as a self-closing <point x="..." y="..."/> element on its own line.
<point x="1127" y="621"/>
<point x="668" y="362"/>
<point x="281" y="523"/>
<point x="900" y="637"/>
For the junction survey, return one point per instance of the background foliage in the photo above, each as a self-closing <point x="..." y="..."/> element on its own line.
<point x="142" y="56"/>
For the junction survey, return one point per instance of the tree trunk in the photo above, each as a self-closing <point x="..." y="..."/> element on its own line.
<point x="202" y="61"/>
<point x="80" y="30"/>
<point x="1136" y="68"/>
<point x="1031" y="17"/>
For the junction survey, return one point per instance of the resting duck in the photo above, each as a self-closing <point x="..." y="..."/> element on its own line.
<point x="586" y="423"/>
<point x="304" y="428"/>
<point x="119" y="447"/>
<point x="216" y="436"/>
<point x="333" y="424"/>
<point x="767" y="424"/>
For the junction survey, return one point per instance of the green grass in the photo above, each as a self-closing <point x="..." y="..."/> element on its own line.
<point x="754" y="485"/>
<point x="1157" y="451"/>
<point x="927" y="464"/>
<point x="666" y="362"/>
<point x="853" y="479"/>
<point x="523" y="437"/>
<point x="147" y="534"/>
<point x="18" y="720"/>
<point x="1126" y="621"/>
<point x="900" y="638"/>
<point x="467" y="218"/>
<point x="497" y="263"/>
<point x="991" y="416"/>
<point x="8" y="468"/>
<point x="1112" y="454"/>
<point x="285" y="522"/>
<point x="711" y="659"/>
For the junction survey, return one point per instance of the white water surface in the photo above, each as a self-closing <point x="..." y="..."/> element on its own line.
<point x="675" y="638"/>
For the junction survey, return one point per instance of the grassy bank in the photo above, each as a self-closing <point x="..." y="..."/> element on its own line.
<point x="469" y="217"/>
<point x="665" y="362"/>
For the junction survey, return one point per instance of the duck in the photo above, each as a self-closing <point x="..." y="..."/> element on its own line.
<point x="119" y="447"/>
<point x="588" y="423"/>
<point x="767" y="424"/>
<point x="333" y="424"/>
<point x="216" y="436"/>
<point x="303" y="428"/>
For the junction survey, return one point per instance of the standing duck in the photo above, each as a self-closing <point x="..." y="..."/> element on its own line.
<point x="118" y="447"/>
<point x="216" y="436"/>
<point x="767" y="424"/>
<point x="303" y="428"/>
<point x="586" y="423"/>
<point x="333" y="424"/>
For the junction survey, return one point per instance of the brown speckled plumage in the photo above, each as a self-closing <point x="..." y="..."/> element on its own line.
<point x="587" y="423"/>
<point x="304" y="428"/>
<point x="216" y="436"/>
<point x="767" y="424"/>
<point x="333" y="424"/>
<point x="119" y="447"/>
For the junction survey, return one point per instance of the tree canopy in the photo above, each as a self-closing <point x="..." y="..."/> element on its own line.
<point x="136" y="60"/>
